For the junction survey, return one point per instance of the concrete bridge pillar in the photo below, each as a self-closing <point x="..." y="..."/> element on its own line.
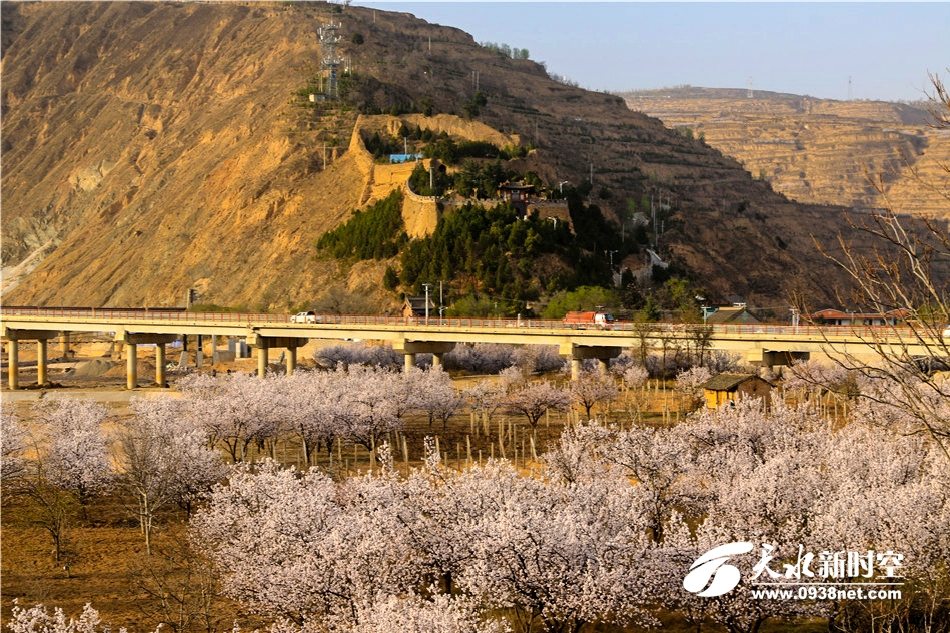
<point x="264" y="343"/>
<point x="13" y="363"/>
<point x="261" y="361"/>
<point x="131" y="365"/>
<point x="773" y="359"/>
<point x="65" y="343"/>
<point x="14" y="337"/>
<point x="411" y="348"/>
<point x="579" y="353"/>
<point x="160" y="364"/>
<point x="42" y="347"/>
<point x="603" y="364"/>
<point x="131" y="342"/>
<point x="291" y="360"/>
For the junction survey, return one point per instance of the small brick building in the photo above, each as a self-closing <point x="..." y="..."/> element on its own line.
<point x="727" y="388"/>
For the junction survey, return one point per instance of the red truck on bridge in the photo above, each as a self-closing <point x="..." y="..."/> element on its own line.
<point x="583" y="319"/>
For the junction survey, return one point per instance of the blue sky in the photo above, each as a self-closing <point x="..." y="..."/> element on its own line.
<point x="804" y="48"/>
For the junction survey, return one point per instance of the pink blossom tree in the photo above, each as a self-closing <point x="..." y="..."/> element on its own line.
<point x="591" y="389"/>
<point x="413" y="614"/>
<point x="162" y="459"/>
<point x="689" y="384"/>
<point x="236" y="409"/>
<point x="38" y="619"/>
<point x="560" y="557"/>
<point x="535" y="399"/>
<point x="310" y="402"/>
<point x="578" y="454"/>
<point x="77" y="455"/>
<point x="301" y="547"/>
<point x="487" y="398"/>
<point x="437" y="397"/>
<point x="13" y="445"/>
<point x="657" y="460"/>
<point x="375" y="399"/>
<point x="68" y="466"/>
<point x="634" y="379"/>
<point x="635" y="376"/>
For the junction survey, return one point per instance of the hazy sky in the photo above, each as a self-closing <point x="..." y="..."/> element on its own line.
<point x="804" y="48"/>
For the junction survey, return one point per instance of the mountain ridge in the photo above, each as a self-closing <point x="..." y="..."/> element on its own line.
<point x="863" y="153"/>
<point x="153" y="148"/>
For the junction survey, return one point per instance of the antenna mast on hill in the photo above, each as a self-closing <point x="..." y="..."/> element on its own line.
<point x="329" y="38"/>
<point x="749" y="93"/>
<point x="849" y="87"/>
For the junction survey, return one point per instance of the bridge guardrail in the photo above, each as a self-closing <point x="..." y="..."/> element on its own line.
<point x="650" y="330"/>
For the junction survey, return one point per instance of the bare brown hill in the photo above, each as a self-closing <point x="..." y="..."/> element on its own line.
<point x="819" y="150"/>
<point x="149" y="148"/>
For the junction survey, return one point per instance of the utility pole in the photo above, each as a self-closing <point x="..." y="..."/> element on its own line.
<point x="426" y="286"/>
<point x="702" y="306"/>
<point x="441" y="307"/>
<point x="611" y="255"/>
<point x="656" y="235"/>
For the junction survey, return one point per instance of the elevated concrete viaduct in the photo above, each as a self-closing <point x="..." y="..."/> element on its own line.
<point x="758" y="344"/>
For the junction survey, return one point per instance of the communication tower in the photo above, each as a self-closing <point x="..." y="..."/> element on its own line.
<point x="329" y="35"/>
<point x="749" y="93"/>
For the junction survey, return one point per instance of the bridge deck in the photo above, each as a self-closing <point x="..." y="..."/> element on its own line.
<point x="449" y="329"/>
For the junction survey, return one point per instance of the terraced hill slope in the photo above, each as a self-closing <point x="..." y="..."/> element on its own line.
<point x="851" y="153"/>
<point x="153" y="147"/>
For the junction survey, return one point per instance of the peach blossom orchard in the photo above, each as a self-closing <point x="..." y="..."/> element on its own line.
<point x="600" y="528"/>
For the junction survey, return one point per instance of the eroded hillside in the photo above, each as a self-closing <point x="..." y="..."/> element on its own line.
<point x="816" y="150"/>
<point x="150" y="148"/>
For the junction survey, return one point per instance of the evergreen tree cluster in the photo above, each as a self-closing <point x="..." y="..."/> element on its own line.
<point x="473" y="180"/>
<point x="493" y="252"/>
<point x="374" y="233"/>
<point x="438" y="145"/>
<point x="450" y="151"/>
<point x="494" y="260"/>
<point x="380" y="146"/>
<point x="420" y="179"/>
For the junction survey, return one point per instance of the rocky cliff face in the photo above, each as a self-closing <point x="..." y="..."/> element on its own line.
<point x="155" y="147"/>
<point x="853" y="153"/>
<point x="150" y="148"/>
